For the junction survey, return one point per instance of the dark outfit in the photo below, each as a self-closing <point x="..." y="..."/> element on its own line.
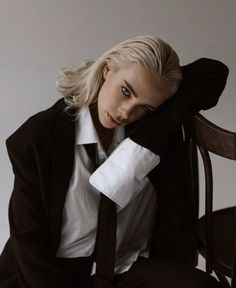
<point x="42" y="154"/>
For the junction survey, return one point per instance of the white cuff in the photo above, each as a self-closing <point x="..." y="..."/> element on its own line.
<point x="123" y="174"/>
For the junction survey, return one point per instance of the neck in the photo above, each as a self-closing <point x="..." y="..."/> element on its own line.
<point x="105" y="135"/>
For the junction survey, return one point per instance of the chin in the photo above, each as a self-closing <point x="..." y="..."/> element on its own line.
<point x="106" y="124"/>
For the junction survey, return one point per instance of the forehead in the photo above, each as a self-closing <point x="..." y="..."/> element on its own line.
<point x="145" y="82"/>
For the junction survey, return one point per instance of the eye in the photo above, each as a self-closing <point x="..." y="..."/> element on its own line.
<point x="125" y="91"/>
<point x="147" y="109"/>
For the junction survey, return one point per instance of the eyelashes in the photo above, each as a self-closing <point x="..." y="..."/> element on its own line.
<point x="125" y="91"/>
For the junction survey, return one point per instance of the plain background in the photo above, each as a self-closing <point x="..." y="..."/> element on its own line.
<point x="39" y="37"/>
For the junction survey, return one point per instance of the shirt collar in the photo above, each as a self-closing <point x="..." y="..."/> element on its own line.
<point x="86" y="132"/>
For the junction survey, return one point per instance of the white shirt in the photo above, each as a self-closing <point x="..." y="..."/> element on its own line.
<point x="122" y="178"/>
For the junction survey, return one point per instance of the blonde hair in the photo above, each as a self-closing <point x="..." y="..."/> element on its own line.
<point x="80" y="86"/>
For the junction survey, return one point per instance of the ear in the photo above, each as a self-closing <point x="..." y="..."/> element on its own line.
<point x="105" y="71"/>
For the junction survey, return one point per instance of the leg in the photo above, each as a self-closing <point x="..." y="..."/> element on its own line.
<point x="152" y="273"/>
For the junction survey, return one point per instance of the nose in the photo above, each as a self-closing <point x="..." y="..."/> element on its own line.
<point x="125" y="111"/>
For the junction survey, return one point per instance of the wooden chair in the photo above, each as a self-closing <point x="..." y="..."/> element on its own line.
<point x="216" y="229"/>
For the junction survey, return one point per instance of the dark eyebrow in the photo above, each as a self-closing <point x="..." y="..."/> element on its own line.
<point x="130" y="88"/>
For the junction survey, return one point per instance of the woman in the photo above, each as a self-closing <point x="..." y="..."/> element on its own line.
<point x="130" y="102"/>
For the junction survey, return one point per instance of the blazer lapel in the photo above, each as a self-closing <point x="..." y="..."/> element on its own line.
<point x="62" y="168"/>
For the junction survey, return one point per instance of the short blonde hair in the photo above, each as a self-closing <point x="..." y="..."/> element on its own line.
<point x="80" y="86"/>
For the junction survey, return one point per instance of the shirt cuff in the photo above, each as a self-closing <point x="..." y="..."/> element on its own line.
<point x="123" y="174"/>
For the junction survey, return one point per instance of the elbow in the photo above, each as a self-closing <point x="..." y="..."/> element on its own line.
<point x="217" y="70"/>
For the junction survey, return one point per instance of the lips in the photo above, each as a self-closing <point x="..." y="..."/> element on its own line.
<point x="114" y="120"/>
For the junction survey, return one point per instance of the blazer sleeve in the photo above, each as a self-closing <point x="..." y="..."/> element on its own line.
<point x="35" y="264"/>
<point x="203" y="82"/>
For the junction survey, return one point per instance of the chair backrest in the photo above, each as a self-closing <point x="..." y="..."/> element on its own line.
<point x="208" y="137"/>
<point x="214" y="139"/>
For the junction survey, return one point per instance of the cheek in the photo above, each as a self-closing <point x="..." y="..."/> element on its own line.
<point x="103" y="98"/>
<point x="109" y="95"/>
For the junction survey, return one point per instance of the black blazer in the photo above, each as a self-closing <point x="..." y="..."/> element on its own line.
<point x="42" y="153"/>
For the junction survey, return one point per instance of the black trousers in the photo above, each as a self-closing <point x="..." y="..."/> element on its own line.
<point x="156" y="273"/>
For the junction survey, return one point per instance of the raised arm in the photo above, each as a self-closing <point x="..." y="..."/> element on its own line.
<point x="202" y="85"/>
